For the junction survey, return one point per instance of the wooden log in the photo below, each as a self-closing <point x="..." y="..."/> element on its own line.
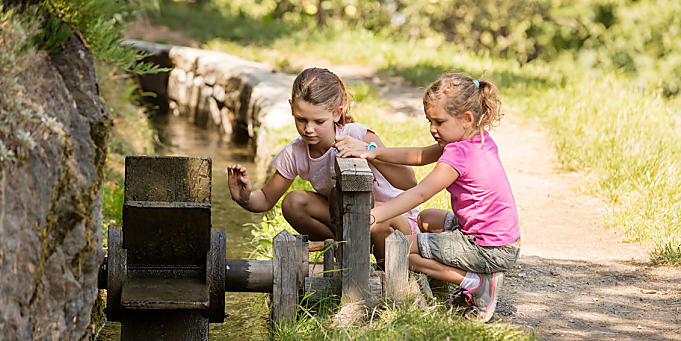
<point x="328" y="258"/>
<point x="284" y="288"/>
<point x="355" y="183"/>
<point x="396" y="265"/>
<point x="246" y="275"/>
<point x="315" y="246"/>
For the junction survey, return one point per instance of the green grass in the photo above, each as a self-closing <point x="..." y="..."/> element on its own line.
<point x="408" y="321"/>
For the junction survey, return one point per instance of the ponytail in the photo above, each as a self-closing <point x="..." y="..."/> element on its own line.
<point x="462" y="93"/>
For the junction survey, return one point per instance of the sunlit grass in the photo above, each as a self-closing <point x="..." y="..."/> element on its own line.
<point x="628" y="140"/>
<point x="408" y="321"/>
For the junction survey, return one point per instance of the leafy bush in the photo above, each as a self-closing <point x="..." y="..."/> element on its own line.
<point x="99" y="24"/>
<point x="641" y="38"/>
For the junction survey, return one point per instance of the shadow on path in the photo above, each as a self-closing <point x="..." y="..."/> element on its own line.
<point x="571" y="299"/>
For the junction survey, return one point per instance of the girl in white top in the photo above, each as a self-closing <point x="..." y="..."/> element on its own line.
<point x="319" y="104"/>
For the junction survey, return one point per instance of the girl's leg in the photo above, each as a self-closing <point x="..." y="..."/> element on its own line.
<point x="431" y="220"/>
<point x="382" y="230"/>
<point x="308" y="213"/>
<point x="430" y="266"/>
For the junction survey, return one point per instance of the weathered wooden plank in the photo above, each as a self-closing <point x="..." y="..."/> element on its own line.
<point x="164" y="293"/>
<point x="164" y="325"/>
<point x="303" y="269"/>
<point x="156" y="236"/>
<point x="215" y="276"/>
<point x="328" y="258"/>
<point x="116" y="273"/>
<point x="163" y="178"/>
<point x="354" y="182"/>
<point x="354" y="175"/>
<point x="284" y="286"/>
<point x="396" y="265"/>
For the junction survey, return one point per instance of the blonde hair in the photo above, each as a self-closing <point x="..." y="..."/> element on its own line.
<point x="322" y="87"/>
<point x="462" y="94"/>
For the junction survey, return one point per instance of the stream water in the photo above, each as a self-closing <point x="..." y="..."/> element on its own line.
<point x="248" y="313"/>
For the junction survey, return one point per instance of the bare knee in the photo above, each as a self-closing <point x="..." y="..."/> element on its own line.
<point x="294" y="203"/>
<point x="431" y="220"/>
<point x="380" y="231"/>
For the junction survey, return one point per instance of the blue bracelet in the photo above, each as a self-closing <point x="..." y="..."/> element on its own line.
<point x="372" y="145"/>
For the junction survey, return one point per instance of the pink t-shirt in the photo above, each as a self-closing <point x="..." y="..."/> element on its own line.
<point x="481" y="196"/>
<point x="295" y="160"/>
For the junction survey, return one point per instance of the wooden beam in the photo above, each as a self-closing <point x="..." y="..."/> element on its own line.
<point x="354" y="181"/>
<point x="396" y="265"/>
<point x="328" y="258"/>
<point x="284" y="288"/>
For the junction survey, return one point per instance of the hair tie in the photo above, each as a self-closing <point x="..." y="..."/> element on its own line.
<point x="477" y="84"/>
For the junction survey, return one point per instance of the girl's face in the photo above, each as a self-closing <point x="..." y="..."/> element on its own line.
<point x="314" y="123"/>
<point x="446" y="128"/>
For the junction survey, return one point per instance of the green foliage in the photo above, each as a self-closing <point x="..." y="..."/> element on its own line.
<point x="667" y="253"/>
<point x="100" y="24"/>
<point x="112" y="203"/>
<point x="641" y="38"/>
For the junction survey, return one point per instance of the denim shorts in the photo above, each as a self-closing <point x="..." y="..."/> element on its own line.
<point x="460" y="250"/>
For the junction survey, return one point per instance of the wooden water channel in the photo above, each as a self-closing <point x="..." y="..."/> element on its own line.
<point x="166" y="272"/>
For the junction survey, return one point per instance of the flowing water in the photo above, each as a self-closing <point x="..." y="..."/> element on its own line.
<point x="248" y="313"/>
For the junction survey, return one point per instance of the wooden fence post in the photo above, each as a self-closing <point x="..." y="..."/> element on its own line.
<point x="303" y="269"/>
<point x="354" y="182"/>
<point x="284" y="281"/>
<point x="328" y="258"/>
<point x="396" y="265"/>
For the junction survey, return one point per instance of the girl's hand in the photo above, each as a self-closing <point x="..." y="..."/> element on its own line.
<point x="344" y="143"/>
<point x="369" y="155"/>
<point x="239" y="184"/>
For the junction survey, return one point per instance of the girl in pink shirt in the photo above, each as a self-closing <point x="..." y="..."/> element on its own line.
<point x="319" y="104"/>
<point x="475" y="243"/>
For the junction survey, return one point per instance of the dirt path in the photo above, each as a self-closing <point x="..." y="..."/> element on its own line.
<point x="575" y="279"/>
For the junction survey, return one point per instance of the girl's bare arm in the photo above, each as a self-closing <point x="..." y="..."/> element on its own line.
<point x="260" y="200"/>
<point x="400" y="176"/>
<point x="412" y="156"/>
<point x="438" y="179"/>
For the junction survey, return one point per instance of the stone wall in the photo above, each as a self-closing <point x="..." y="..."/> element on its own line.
<point x="243" y="99"/>
<point x="50" y="204"/>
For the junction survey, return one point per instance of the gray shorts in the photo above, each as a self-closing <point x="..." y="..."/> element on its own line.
<point x="460" y="250"/>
